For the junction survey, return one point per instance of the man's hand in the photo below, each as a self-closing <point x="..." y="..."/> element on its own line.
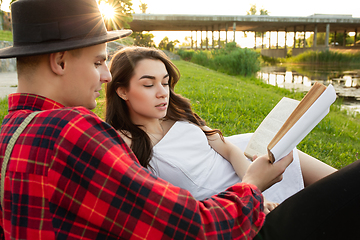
<point x="263" y="174"/>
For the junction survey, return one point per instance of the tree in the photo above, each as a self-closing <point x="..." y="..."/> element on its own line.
<point x="264" y="12"/>
<point x="143" y="39"/>
<point x="338" y="39"/>
<point x="252" y="11"/>
<point x="143" y="7"/>
<point x="165" y="44"/>
<point x="122" y="16"/>
<point x="186" y="43"/>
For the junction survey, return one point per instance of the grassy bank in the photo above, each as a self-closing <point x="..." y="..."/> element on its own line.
<point x="326" y="57"/>
<point x="238" y="105"/>
<point x="6" y="36"/>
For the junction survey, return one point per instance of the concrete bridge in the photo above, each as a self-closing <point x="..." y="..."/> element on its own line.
<point x="251" y="23"/>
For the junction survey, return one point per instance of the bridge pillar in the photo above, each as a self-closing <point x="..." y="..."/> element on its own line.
<point x="327" y="35"/>
<point x="304" y="36"/>
<point x="234" y="29"/>
<point x="277" y="39"/>
<point x="196" y="45"/>
<point x="270" y="40"/>
<point x="344" y="39"/>
<point x="262" y="40"/>
<point x="212" y="36"/>
<point x="191" y="40"/>
<point x="226" y="30"/>
<point x="294" y="37"/>
<point x="315" y="37"/>
<point x="255" y="40"/>
<point x="355" y="36"/>
<point x="207" y="39"/>
<point x="201" y="41"/>
<point x="219" y="36"/>
<point x="285" y="38"/>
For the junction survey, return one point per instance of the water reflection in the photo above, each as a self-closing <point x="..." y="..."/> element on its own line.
<point x="346" y="80"/>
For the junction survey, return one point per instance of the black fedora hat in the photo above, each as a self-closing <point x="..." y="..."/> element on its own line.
<point x="46" y="26"/>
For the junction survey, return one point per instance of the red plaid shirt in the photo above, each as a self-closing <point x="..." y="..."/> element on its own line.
<point x="71" y="176"/>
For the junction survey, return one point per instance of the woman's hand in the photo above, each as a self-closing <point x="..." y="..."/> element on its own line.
<point x="269" y="206"/>
<point x="263" y="174"/>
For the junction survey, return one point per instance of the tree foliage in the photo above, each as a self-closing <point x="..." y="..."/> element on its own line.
<point x="253" y="10"/>
<point x="165" y="44"/>
<point x="143" y="7"/>
<point x="143" y="39"/>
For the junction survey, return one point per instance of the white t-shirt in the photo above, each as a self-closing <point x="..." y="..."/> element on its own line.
<point x="184" y="158"/>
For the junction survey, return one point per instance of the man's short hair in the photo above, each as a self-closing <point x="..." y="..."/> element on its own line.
<point x="25" y="65"/>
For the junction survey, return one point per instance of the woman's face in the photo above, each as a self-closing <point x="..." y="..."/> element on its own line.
<point x="148" y="94"/>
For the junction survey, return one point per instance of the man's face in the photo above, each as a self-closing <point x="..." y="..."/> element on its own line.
<point x="86" y="72"/>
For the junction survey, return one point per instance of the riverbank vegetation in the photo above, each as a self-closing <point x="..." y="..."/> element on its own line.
<point x="326" y="57"/>
<point x="231" y="60"/>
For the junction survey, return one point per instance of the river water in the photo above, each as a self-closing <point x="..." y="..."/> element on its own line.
<point x="345" y="79"/>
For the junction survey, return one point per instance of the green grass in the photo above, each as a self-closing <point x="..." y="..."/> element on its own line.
<point x="238" y="105"/>
<point x="6" y="36"/>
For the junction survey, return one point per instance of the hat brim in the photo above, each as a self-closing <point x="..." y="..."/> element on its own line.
<point x="63" y="45"/>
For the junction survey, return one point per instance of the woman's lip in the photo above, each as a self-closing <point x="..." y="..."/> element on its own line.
<point x="161" y="105"/>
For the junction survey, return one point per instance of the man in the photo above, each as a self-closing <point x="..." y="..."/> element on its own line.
<point x="70" y="175"/>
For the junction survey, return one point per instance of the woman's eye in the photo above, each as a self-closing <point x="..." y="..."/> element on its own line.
<point x="166" y="84"/>
<point x="148" y="85"/>
<point x="97" y="64"/>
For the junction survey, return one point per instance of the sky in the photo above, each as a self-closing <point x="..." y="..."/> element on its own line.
<point x="302" y="8"/>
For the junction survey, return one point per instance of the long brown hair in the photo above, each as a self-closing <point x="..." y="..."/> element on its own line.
<point x="122" y="68"/>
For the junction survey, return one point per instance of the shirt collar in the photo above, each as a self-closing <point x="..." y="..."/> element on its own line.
<point x="28" y="101"/>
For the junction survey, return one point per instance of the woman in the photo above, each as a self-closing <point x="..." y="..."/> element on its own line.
<point x="174" y="142"/>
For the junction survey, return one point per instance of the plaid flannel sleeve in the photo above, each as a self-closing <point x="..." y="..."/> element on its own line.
<point x="97" y="188"/>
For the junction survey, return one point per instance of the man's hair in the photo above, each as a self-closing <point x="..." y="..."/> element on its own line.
<point x="27" y="64"/>
<point x="76" y="52"/>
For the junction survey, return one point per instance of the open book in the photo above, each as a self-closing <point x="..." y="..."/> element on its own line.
<point x="289" y="122"/>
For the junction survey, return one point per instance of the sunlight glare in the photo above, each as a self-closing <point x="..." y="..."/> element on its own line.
<point x="106" y="10"/>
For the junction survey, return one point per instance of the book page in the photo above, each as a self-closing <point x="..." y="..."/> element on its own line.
<point x="316" y="112"/>
<point x="269" y="127"/>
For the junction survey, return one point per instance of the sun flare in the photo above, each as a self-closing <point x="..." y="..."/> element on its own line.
<point x="107" y="10"/>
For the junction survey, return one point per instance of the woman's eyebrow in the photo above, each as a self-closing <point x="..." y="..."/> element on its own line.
<point x="147" y="76"/>
<point x="151" y="77"/>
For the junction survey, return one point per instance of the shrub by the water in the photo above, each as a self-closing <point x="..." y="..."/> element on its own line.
<point x="326" y="57"/>
<point x="231" y="60"/>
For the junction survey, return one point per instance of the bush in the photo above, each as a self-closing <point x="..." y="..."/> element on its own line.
<point x="202" y="58"/>
<point x="231" y="60"/>
<point x="326" y="57"/>
<point x="185" y="54"/>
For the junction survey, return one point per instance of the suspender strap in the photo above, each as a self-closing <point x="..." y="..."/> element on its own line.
<point x="8" y="151"/>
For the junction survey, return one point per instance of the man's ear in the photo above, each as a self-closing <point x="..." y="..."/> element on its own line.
<point x="122" y="93"/>
<point x="57" y="62"/>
